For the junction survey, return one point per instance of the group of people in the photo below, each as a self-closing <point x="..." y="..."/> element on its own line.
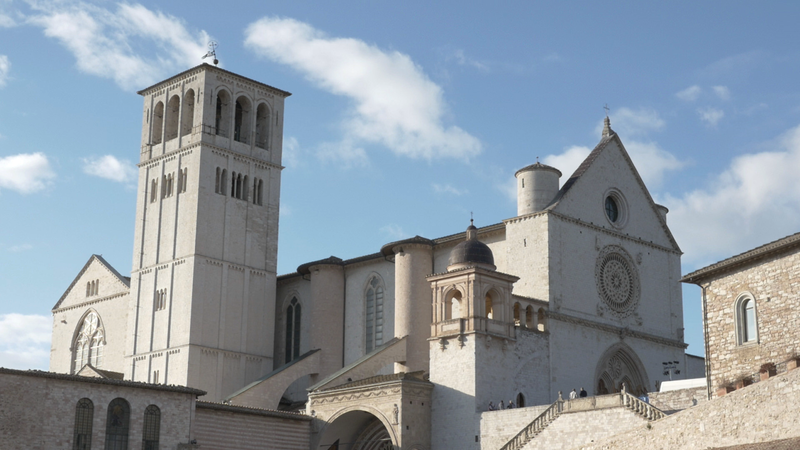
<point x="575" y="394"/>
<point x="501" y="405"/>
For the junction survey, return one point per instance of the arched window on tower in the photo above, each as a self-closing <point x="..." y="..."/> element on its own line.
<point x="117" y="422"/>
<point x="222" y="119"/>
<point x="187" y="119"/>
<point x="517" y="322"/>
<point x="84" y="414"/>
<point x="89" y="342"/>
<point x="293" y="314"/>
<point x="173" y="114"/>
<point x="541" y="320"/>
<point x="158" y="123"/>
<point x="489" y="307"/>
<point x="245" y="194"/>
<point x="374" y="313"/>
<point x="241" y="121"/>
<point x="151" y="428"/>
<point x="452" y="306"/>
<point x="529" y="317"/>
<point x="262" y="126"/>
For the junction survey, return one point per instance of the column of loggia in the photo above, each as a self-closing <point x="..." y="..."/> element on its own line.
<point x="412" y="296"/>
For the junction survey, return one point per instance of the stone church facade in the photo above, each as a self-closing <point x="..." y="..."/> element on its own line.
<point x="409" y="345"/>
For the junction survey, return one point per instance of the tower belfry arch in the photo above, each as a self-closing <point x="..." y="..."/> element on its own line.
<point x="205" y="254"/>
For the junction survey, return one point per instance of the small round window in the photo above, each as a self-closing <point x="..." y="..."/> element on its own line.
<point x="612" y="210"/>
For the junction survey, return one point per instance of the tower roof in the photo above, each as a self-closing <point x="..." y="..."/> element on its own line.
<point x="471" y="251"/>
<point x="209" y="67"/>
<point x="538" y="166"/>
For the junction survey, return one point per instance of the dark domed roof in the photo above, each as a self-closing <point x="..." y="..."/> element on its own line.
<point x="472" y="250"/>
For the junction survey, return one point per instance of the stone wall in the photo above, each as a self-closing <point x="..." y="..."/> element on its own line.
<point x="679" y="399"/>
<point x="773" y="283"/>
<point x="573" y="429"/>
<point x="234" y="428"/>
<point x="37" y="409"/>
<point x="498" y="427"/>
<point x="762" y="412"/>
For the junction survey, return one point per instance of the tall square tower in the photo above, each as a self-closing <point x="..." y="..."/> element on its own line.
<point x="206" y="239"/>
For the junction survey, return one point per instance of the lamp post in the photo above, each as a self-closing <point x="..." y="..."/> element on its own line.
<point x="671" y="367"/>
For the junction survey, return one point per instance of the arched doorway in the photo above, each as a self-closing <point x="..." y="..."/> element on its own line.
<point x="618" y="365"/>
<point x="357" y="430"/>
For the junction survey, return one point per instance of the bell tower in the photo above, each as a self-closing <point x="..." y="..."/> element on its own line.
<point x="206" y="236"/>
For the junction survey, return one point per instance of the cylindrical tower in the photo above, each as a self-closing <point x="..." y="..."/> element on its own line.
<point x="326" y="312"/>
<point x="413" y="260"/>
<point x="537" y="186"/>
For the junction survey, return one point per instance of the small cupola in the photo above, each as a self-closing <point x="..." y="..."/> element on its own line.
<point x="471" y="252"/>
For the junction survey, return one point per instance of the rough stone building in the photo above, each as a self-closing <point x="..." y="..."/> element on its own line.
<point x="751" y="314"/>
<point x="407" y="346"/>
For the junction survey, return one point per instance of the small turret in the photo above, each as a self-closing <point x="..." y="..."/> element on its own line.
<point x="537" y="186"/>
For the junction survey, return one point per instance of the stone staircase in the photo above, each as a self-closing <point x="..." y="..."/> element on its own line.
<point x="583" y="421"/>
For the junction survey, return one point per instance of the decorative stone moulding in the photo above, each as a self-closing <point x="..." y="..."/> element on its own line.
<point x="617" y="281"/>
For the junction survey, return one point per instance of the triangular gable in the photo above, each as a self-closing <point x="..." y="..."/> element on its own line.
<point x="90" y="371"/>
<point x="124" y="282"/>
<point x="577" y="184"/>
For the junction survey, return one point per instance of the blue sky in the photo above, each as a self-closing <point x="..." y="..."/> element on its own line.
<point x="405" y="117"/>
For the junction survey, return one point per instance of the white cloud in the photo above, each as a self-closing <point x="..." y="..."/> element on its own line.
<point x="20" y="248"/>
<point x="462" y="59"/>
<point x="346" y="154"/>
<point x="567" y="161"/>
<point x="24" y="341"/>
<point x="6" y="21"/>
<point x="722" y="92"/>
<point x="25" y="173"/>
<point x="711" y="116"/>
<point x="393" y="231"/>
<point x="110" y="168"/>
<point x="757" y="198"/>
<point x="448" y="189"/>
<point x="629" y="122"/>
<point x="108" y="44"/>
<point x="5" y="68"/>
<point x="395" y="104"/>
<point x="690" y="94"/>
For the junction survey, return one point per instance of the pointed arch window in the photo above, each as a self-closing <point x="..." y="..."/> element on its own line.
<point x="84" y="414"/>
<point x="89" y="342"/>
<point x="374" y="313"/>
<point x="158" y="123"/>
<point x="293" y="313"/>
<point x="117" y="422"/>
<point x="152" y="428"/>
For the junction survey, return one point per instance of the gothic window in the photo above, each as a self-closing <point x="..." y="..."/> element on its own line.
<point x="292" y="331"/>
<point x="529" y="316"/>
<point x="152" y="428"/>
<point x="187" y="120"/>
<point x="221" y="181"/>
<point x="746" y="319"/>
<point x="117" y="421"/>
<point x="182" y="180"/>
<point x="242" y="119"/>
<point x="262" y="126"/>
<point x="84" y="414"/>
<point x="158" y="122"/>
<point x="374" y="313"/>
<point x="223" y="118"/>
<point x="160" y="299"/>
<point x="92" y="287"/>
<point x="89" y="342"/>
<point x="173" y="114"/>
<point x="260" y="191"/>
<point x="245" y="194"/>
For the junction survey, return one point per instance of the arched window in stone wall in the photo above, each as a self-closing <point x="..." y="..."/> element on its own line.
<point x="158" y="123"/>
<point x="489" y="306"/>
<point x="746" y="319"/>
<point x="373" y="312"/>
<point x="241" y="120"/>
<point x="221" y="181"/>
<point x="293" y="315"/>
<point x="84" y="414"/>
<point x="89" y="342"/>
<point x="520" y="400"/>
<point x="187" y="119"/>
<point x="117" y="423"/>
<point x="258" y="190"/>
<point x="529" y="317"/>
<point x="222" y="119"/>
<point x="517" y="319"/>
<point x="151" y="428"/>
<point x="541" y="320"/>
<point x="262" y="126"/>
<point x="452" y="305"/>
<point x="173" y="114"/>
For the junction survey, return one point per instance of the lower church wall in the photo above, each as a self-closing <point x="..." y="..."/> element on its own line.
<point x="679" y="399"/>
<point x="234" y="428"/>
<point x="571" y="430"/>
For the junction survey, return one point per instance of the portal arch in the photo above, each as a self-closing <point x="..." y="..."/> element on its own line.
<point x="362" y="427"/>
<point x="620" y="364"/>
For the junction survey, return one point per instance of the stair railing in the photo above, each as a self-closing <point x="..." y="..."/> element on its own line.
<point x="641" y="407"/>
<point x="535" y="427"/>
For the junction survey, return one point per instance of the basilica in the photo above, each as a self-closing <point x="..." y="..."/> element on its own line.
<point x="402" y="348"/>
